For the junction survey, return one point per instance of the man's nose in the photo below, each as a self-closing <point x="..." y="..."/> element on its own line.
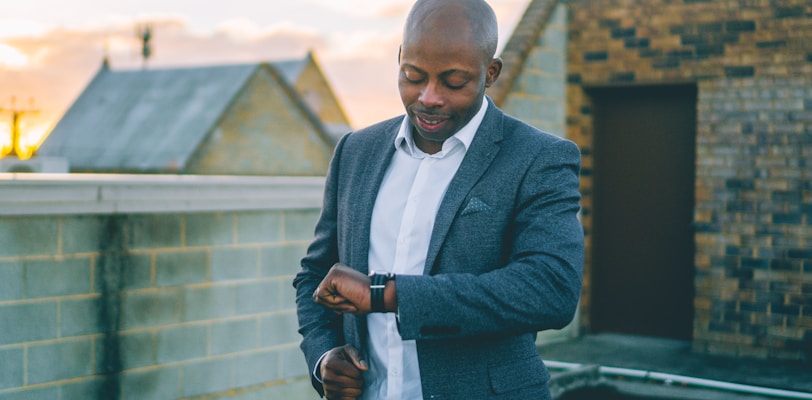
<point x="431" y="95"/>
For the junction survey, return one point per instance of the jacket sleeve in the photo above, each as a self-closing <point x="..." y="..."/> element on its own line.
<point x="321" y="329"/>
<point x="538" y="285"/>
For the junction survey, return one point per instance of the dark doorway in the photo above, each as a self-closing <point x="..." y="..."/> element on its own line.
<point x="643" y="249"/>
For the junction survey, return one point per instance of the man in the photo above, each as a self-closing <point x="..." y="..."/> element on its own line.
<point x="466" y="219"/>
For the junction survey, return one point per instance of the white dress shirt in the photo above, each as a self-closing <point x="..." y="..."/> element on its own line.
<point x="402" y="221"/>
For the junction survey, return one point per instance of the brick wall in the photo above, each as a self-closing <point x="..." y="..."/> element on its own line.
<point x="752" y="61"/>
<point x="317" y="93"/>
<point x="264" y="132"/>
<point x="185" y="293"/>
<point x="754" y="218"/>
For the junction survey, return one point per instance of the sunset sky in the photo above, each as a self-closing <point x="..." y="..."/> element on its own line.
<point x="50" y="49"/>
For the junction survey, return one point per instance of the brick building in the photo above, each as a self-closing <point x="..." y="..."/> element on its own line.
<point x="277" y="118"/>
<point x="694" y="118"/>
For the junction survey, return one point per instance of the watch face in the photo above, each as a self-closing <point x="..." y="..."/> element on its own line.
<point x="387" y="276"/>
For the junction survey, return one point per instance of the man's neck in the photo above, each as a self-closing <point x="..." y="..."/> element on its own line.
<point x="427" y="146"/>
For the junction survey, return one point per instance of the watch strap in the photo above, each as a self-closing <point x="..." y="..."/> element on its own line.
<point x="377" y="284"/>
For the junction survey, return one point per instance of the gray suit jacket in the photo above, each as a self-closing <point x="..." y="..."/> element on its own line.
<point x="505" y="259"/>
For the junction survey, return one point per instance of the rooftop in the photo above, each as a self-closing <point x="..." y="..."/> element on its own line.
<point x="653" y="356"/>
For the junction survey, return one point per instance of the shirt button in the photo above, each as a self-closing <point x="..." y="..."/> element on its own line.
<point x="395" y="372"/>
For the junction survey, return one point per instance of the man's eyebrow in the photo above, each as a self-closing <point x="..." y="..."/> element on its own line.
<point x="414" y="67"/>
<point x="455" y="71"/>
<point x="442" y="74"/>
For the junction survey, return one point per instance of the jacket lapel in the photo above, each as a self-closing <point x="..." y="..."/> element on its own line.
<point x="369" y="179"/>
<point x="480" y="154"/>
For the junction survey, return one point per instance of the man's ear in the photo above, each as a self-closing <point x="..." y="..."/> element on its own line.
<point x="494" y="69"/>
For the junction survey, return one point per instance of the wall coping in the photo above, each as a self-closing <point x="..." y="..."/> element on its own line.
<point x="60" y="194"/>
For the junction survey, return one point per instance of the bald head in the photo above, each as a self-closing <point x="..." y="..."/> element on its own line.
<point x="446" y="62"/>
<point x="461" y="20"/>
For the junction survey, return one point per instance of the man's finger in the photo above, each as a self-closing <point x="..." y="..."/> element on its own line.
<point x="325" y="295"/>
<point x="357" y="358"/>
<point x="335" y="302"/>
<point x="340" y="394"/>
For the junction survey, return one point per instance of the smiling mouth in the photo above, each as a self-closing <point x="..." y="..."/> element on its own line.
<point x="430" y="123"/>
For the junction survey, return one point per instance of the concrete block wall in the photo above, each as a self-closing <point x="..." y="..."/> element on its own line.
<point x="538" y="94"/>
<point x="741" y="54"/>
<point x="163" y="301"/>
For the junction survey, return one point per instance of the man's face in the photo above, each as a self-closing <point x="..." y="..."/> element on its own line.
<point x="442" y="81"/>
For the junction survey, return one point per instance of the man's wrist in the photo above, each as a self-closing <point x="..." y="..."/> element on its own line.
<point x="317" y="368"/>
<point x="390" y="297"/>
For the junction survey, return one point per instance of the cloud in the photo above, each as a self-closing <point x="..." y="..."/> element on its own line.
<point x="363" y="74"/>
<point x="10" y="28"/>
<point x="395" y="10"/>
<point x="53" y="66"/>
<point x="10" y="57"/>
<point x="362" y="45"/>
<point x="367" y="88"/>
<point x="365" y="9"/>
<point x="244" y="29"/>
<point x="59" y="63"/>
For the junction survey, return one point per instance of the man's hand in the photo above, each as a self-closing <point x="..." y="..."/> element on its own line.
<point x="340" y="371"/>
<point x="344" y="290"/>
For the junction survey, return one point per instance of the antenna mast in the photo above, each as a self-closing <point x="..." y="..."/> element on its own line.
<point x="144" y="34"/>
<point x="16" y="114"/>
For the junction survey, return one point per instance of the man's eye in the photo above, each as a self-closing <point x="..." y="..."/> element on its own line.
<point x="412" y="77"/>
<point x="455" y="84"/>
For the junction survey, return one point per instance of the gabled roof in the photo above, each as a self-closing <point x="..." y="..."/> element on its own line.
<point x="519" y="46"/>
<point x="154" y="120"/>
<point x="291" y="70"/>
<point x="144" y="119"/>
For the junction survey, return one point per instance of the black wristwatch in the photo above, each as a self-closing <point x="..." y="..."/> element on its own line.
<point x="377" y="284"/>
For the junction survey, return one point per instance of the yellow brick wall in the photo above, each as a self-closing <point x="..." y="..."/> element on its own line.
<point x="264" y="132"/>
<point x="316" y="92"/>
<point x="733" y="49"/>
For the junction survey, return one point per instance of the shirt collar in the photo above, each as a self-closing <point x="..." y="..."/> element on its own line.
<point x="464" y="135"/>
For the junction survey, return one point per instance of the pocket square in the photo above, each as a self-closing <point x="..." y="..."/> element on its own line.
<point x="475" y="205"/>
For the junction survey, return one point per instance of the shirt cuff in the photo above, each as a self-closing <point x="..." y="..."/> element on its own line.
<point x="316" y="373"/>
